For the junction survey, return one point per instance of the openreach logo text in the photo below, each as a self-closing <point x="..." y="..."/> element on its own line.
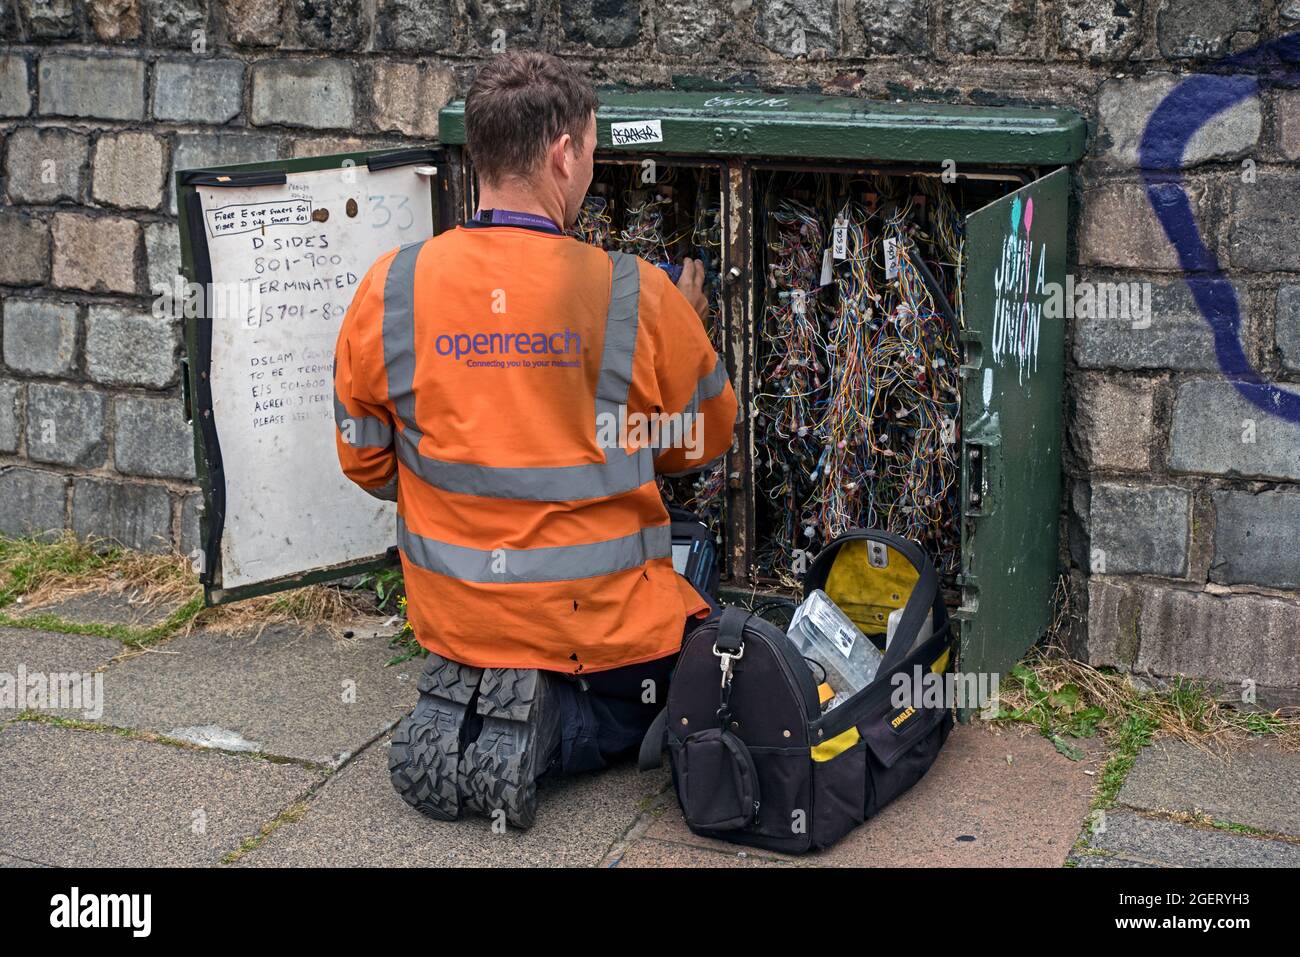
<point x="75" y="909"/>
<point x="499" y="348"/>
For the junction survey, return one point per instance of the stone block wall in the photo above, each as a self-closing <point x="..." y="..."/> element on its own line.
<point x="1183" y="501"/>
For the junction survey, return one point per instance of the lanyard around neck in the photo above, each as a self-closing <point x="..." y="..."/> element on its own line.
<point x="510" y="217"/>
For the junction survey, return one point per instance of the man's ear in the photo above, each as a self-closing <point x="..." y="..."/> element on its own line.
<point x="562" y="155"/>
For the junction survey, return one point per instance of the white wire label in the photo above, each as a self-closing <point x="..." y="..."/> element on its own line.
<point x="947" y="430"/>
<point x="840" y="243"/>
<point x="891" y="258"/>
<point x="633" y="134"/>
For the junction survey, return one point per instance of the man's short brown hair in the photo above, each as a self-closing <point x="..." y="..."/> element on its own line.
<point x="520" y="103"/>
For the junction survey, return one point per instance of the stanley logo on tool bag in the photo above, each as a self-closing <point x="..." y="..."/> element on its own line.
<point x="899" y="719"/>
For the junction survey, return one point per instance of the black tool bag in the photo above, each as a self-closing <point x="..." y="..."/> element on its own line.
<point x="754" y="759"/>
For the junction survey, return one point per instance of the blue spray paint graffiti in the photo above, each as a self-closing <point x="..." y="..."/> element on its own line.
<point x="1188" y="107"/>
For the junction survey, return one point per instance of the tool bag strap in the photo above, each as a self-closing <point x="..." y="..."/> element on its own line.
<point x="651" y="755"/>
<point x="729" y="646"/>
<point x="731" y="630"/>
<point x="927" y="598"/>
<point x="730" y="639"/>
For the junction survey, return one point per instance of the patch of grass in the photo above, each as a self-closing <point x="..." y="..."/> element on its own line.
<point x="1261" y="722"/>
<point x="1202" y="820"/>
<point x="1067" y="698"/>
<point x="404" y="643"/>
<point x="128" y="635"/>
<point x="28" y="564"/>
<point x="290" y="815"/>
<point x="1133" y="733"/>
<point x="133" y="734"/>
<point x="35" y="573"/>
<point x="389" y="587"/>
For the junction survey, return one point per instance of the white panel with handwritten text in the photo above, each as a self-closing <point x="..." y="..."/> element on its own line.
<point x="296" y="253"/>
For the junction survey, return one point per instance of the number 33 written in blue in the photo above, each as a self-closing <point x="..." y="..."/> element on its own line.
<point x="380" y="208"/>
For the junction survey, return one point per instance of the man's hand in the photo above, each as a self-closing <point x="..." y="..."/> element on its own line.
<point x="691" y="284"/>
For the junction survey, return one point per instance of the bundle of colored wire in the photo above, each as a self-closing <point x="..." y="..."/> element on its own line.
<point x="707" y="240"/>
<point x="793" y="384"/>
<point x="594" y="224"/>
<point x="647" y="222"/>
<point x="643" y="226"/>
<point x="703" y="493"/>
<point x="845" y="471"/>
<point x="914" y="370"/>
<point x="857" y="411"/>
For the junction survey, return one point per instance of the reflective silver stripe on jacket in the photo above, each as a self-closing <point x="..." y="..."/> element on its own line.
<point x="552" y="564"/>
<point x="615" y="380"/>
<point x="709" y="387"/>
<point x="361" y="431"/>
<point x="561" y="483"/>
<point x="618" y="474"/>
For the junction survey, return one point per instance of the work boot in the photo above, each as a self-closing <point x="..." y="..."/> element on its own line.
<point x="425" y="753"/>
<point x="519" y="741"/>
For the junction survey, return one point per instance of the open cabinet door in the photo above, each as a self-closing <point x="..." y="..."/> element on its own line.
<point x="1011" y="398"/>
<point x="276" y="251"/>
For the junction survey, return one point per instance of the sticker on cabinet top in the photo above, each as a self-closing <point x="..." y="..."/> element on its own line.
<point x="632" y="134"/>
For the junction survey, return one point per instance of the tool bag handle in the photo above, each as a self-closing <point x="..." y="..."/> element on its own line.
<point x="730" y="638"/>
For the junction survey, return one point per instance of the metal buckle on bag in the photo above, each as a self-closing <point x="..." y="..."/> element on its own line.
<point x="725" y="664"/>
<point x="727" y="659"/>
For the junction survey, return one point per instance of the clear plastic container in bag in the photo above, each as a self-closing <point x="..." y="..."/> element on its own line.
<point x="822" y="632"/>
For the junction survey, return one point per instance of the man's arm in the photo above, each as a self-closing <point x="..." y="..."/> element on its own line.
<point x="692" y="379"/>
<point x="363" y="426"/>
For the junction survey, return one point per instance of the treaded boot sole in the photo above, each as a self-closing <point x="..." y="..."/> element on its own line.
<point x="424" y="756"/>
<point x="521" y="732"/>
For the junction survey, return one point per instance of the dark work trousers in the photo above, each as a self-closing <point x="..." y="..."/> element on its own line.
<point x="607" y="713"/>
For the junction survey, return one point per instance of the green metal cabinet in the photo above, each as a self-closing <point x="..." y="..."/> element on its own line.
<point x="1014" y="356"/>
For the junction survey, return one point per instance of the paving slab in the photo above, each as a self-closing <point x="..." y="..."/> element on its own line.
<point x="357" y="820"/>
<point x="652" y="853"/>
<point x="1104" y="861"/>
<point x="26" y="653"/>
<point x="9" y="862"/>
<point x="97" y="799"/>
<point x="290" y="691"/>
<point x="111" y="607"/>
<point x="1136" y="840"/>
<point x="1256" y="783"/>
<point x="974" y="808"/>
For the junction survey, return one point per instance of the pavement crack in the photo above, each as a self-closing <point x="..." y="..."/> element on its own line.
<point x="154" y="737"/>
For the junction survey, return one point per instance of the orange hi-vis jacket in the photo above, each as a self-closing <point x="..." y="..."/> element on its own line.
<point x="517" y="390"/>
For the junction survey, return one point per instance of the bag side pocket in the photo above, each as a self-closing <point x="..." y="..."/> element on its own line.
<point x="717" y="782"/>
<point x="892" y="770"/>
<point x="839" y="787"/>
